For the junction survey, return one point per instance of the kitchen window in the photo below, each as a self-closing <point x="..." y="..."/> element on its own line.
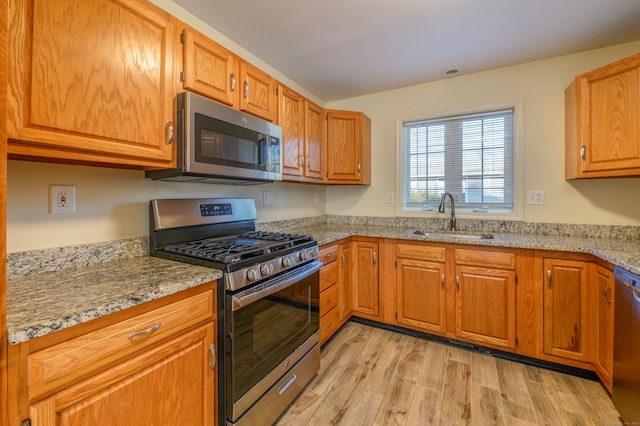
<point x="471" y="156"/>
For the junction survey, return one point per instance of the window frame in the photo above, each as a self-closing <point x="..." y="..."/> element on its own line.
<point x="518" y="163"/>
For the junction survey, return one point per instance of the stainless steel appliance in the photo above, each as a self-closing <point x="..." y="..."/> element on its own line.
<point x="626" y="350"/>
<point x="217" y="144"/>
<point x="268" y="316"/>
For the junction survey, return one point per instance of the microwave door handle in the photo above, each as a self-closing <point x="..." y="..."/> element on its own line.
<point x="242" y="300"/>
<point x="263" y="152"/>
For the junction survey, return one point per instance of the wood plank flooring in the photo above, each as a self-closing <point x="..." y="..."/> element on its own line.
<point x="371" y="376"/>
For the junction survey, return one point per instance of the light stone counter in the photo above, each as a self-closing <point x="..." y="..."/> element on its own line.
<point x="41" y="303"/>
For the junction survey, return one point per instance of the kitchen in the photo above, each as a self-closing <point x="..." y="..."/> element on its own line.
<point x="112" y="204"/>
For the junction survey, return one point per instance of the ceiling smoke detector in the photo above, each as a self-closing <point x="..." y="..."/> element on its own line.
<point x="450" y="72"/>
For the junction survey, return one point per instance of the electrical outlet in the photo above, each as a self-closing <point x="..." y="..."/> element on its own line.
<point x="265" y="197"/>
<point x="391" y="198"/>
<point x="62" y="199"/>
<point x="535" y="197"/>
<point x="317" y="198"/>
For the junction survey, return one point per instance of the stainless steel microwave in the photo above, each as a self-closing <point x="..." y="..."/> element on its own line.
<point x="217" y="144"/>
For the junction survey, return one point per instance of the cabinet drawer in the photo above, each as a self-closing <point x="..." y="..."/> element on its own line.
<point x="328" y="325"/>
<point x="483" y="258"/>
<point x="69" y="361"/>
<point x="328" y="275"/>
<point x="328" y="253"/>
<point x="328" y="299"/>
<point x="420" y="252"/>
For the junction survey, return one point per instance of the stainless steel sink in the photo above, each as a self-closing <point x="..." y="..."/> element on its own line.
<point x="455" y="234"/>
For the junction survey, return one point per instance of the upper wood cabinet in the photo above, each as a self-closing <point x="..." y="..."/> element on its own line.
<point x="348" y="148"/>
<point x="208" y="68"/>
<point x="567" y="309"/>
<point x="303" y="136"/>
<point x="257" y="92"/>
<point x="91" y="82"/>
<point x="602" y="122"/>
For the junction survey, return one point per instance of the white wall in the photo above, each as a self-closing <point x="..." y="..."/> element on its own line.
<point x="113" y="204"/>
<point x="541" y="86"/>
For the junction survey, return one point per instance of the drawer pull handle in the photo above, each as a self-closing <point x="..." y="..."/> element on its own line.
<point x="147" y="331"/>
<point x="327" y="278"/>
<point x="286" y="384"/>
<point x="326" y="302"/>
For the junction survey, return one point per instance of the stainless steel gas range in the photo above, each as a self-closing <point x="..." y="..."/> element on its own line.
<point x="268" y="316"/>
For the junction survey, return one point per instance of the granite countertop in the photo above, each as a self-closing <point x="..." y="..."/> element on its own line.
<point x="623" y="253"/>
<point x="42" y="303"/>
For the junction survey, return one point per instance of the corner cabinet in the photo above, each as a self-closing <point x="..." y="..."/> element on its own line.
<point x="602" y="122"/>
<point x="91" y="82"/>
<point x="348" y="148"/>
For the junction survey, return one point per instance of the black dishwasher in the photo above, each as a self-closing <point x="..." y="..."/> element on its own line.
<point x="626" y="348"/>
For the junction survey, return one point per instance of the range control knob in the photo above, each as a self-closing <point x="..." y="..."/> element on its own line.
<point x="253" y="274"/>
<point x="287" y="262"/>
<point x="266" y="269"/>
<point x="304" y="255"/>
<point x="313" y="253"/>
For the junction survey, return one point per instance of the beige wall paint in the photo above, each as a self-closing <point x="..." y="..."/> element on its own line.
<point x="540" y="85"/>
<point x="113" y="204"/>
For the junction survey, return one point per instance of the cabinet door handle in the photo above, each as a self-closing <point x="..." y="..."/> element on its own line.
<point x="233" y="82"/>
<point x="457" y="283"/>
<point x="213" y="356"/>
<point x="607" y="293"/>
<point x="147" y="331"/>
<point x="343" y="260"/>
<point x="374" y="257"/>
<point x="583" y="151"/>
<point x="169" y="132"/>
<point x="549" y="278"/>
<point x="246" y="89"/>
<point x="358" y="167"/>
<point x="442" y="281"/>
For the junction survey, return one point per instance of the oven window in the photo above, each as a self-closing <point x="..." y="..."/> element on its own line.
<point x="218" y="142"/>
<point x="270" y="329"/>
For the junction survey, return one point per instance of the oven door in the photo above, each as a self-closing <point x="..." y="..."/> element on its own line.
<point x="269" y="327"/>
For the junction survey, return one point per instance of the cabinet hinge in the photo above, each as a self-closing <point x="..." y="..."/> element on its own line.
<point x="326" y="116"/>
<point x="396" y="315"/>
<point x="182" y="38"/>
<point x="277" y="91"/>
<point x="396" y="263"/>
<point x="517" y="341"/>
<point x="516" y="280"/>
<point x="181" y="75"/>
<point x="326" y="174"/>
<point x="25" y="422"/>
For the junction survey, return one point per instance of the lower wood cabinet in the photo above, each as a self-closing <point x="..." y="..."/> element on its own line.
<point x="604" y="316"/>
<point x="151" y="364"/>
<point x="345" y="280"/>
<point x="328" y="292"/>
<point x="365" y="285"/>
<point x="170" y="384"/>
<point x="567" y="312"/>
<point x="485" y="295"/>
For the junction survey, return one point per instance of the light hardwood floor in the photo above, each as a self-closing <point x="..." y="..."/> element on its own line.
<point x="371" y="376"/>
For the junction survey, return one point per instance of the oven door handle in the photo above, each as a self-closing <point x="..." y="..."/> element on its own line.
<point x="248" y="297"/>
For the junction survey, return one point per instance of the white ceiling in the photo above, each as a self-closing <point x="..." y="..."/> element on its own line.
<point x="338" y="49"/>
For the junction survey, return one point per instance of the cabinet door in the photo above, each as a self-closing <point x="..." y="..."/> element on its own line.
<point x="345" y="305"/>
<point x="485" y="306"/>
<point x="421" y="295"/>
<point x="168" y="385"/>
<point x="348" y="147"/>
<point x="208" y="68"/>
<point x="290" y="118"/>
<point x="92" y="81"/>
<point x="258" y="93"/>
<point x="605" y="301"/>
<point x="365" y="291"/>
<point x="566" y="302"/>
<point x="606" y="104"/>
<point x="314" y="140"/>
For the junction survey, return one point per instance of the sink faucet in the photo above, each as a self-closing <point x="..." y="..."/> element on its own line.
<point x="453" y="209"/>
